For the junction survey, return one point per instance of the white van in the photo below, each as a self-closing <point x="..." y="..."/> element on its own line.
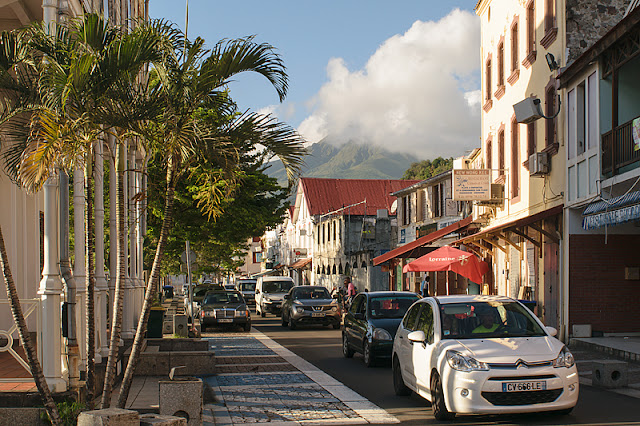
<point x="270" y="293"/>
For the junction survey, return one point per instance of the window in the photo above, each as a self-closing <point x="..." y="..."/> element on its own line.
<point x="531" y="35"/>
<point x="437" y="201"/>
<point x="409" y="320"/>
<point x="501" y="64"/>
<point x="514" y="46"/>
<point x="257" y="257"/>
<point x="501" y="163"/>
<point x="550" y="110"/>
<point x="515" y="158"/>
<point x="550" y="28"/>
<point x="487" y="79"/>
<point x="581" y="118"/>
<point x="531" y="139"/>
<point x="406" y="212"/>
<point x="329" y="231"/>
<point x="425" y="322"/>
<point x="489" y="154"/>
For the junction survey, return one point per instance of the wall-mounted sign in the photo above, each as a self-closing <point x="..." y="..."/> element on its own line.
<point x="301" y="252"/>
<point x="471" y="184"/>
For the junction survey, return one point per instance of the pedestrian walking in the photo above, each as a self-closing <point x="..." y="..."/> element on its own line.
<point x="424" y="286"/>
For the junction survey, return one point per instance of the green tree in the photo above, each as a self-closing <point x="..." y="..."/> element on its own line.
<point x="188" y="79"/>
<point x="428" y="168"/>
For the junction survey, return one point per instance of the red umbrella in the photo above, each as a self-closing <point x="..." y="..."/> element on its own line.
<point x="450" y="259"/>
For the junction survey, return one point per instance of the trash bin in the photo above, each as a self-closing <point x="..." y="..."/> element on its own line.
<point x="155" y="324"/>
<point x="168" y="291"/>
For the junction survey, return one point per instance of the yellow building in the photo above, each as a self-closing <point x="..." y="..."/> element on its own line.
<point x="525" y="44"/>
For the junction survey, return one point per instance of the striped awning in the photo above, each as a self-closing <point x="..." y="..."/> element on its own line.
<point x="613" y="211"/>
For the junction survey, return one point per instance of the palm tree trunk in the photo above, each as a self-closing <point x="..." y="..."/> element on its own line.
<point x="18" y="317"/>
<point x="150" y="291"/>
<point x="91" y="282"/>
<point x="116" y="317"/>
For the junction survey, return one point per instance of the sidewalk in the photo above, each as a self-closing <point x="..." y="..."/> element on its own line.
<point x="260" y="381"/>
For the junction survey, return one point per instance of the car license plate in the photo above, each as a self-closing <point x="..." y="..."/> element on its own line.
<point x="225" y="320"/>
<point x="317" y="314"/>
<point x="524" y="386"/>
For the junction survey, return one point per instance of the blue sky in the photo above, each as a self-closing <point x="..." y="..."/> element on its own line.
<point x="379" y="72"/>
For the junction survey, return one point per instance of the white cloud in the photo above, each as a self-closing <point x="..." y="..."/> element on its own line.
<point x="418" y="92"/>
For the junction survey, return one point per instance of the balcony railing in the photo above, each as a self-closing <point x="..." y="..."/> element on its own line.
<point x="618" y="152"/>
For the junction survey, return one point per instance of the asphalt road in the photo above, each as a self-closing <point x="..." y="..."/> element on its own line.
<point x="321" y="346"/>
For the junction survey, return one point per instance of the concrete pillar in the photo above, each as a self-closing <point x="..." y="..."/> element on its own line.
<point x="51" y="293"/>
<point x="128" y="308"/>
<point x="79" y="271"/>
<point x="133" y="240"/>
<point x="140" y="212"/>
<point x="102" y="288"/>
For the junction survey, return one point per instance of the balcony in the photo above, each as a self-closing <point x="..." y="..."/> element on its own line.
<point x="618" y="153"/>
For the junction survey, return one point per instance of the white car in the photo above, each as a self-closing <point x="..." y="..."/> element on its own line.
<point x="482" y="355"/>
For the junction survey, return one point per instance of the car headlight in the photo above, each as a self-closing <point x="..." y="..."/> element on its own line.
<point x="334" y="309"/>
<point x="381" y="334"/>
<point x="267" y="299"/>
<point x="460" y="362"/>
<point x="239" y="313"/>
<point x="564" y="359"/>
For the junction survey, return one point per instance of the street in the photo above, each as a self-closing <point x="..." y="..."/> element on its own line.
<point x="321" y="346"/>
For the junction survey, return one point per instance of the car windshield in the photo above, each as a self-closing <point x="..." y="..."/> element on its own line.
<point x="390" y="306"/>
<point x="247" y="285"/>
<point x="277" y="286"/>
<point x="311" y="293"/>
<point x="487" y="319"/>
<point x="212" y="298"/>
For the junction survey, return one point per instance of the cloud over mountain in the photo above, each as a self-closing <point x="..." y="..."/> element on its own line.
<point x="419" y="92"/>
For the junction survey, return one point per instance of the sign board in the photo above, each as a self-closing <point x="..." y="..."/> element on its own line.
<point x="471" y="184"/>
<point x="192" y="256"/>
<point x="301" y="252"/>
<point x="450" y="207"/>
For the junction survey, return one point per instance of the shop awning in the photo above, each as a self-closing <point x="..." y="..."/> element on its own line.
<point x="262" y="273"/>
<point x="613" y="211"/>
<point x="300" y="263"/>
<point x="416" y="249"/>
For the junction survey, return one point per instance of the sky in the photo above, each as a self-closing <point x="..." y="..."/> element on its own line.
<point x="404" y="75"/>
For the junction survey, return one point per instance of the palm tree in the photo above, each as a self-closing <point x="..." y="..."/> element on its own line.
<point x="18" y="96"/>
<point x="192" y="81"/>
<point x="82" y="71"/>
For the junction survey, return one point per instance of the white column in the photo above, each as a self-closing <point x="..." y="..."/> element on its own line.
<point x="139" y="237"/>
<point x="51" y="294"/>
<point x="79" y="271"/>
<point x="113" y="234"/>
<point x="133" y="241"/>
<point x="102" y="348"/>
<point x="128" y="330"/>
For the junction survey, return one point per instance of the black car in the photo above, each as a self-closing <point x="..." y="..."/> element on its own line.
<point x="371" y="322"/>
<point x="224" y="307"/>
<point x="310" y="304"/>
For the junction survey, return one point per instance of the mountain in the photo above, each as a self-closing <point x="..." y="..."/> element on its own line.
<point x="348" y="161"/>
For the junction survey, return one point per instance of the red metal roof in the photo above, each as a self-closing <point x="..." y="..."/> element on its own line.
<point x="327" y="195"/>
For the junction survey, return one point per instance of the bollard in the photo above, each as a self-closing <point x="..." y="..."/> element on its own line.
<point x="182" y="397"/>
<point x="610" y="374"/>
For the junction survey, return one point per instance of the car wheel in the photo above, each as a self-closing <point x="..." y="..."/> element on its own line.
<point x="366" y="353"/>
<point x="292" y="323"/>
<point x="346" y="350"/>
<point x="247" y="327"/>
<point x="440" y="411"/>
<point x="398" y="383"/>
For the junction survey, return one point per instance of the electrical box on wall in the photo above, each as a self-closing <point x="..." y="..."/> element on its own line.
<point x="632" y="273"/>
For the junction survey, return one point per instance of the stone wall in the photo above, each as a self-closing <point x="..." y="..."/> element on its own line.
<point x="588" y="21"/>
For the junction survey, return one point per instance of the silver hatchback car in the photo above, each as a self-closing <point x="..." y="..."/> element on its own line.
<point x="310" y="304"/>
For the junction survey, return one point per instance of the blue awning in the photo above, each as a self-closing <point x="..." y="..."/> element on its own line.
<point x="613" y="211"/>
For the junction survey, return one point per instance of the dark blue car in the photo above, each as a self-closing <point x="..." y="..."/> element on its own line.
<point x="371" y="322"/>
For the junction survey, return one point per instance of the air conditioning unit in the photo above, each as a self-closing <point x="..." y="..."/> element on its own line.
<point x="538" y="164"/>
<point x="497" y="196"/>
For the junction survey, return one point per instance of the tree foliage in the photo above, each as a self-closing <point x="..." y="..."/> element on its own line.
<point x="427" y="168"/>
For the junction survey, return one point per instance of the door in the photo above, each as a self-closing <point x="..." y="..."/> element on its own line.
<point x="352" y="325"/>
<point x="551" y="283"/>
<point x="422" y="352"/>
<point x="403" y="346"/>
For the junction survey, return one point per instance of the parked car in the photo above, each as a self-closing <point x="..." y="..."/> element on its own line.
<point x="224" y="307"/>
<point x="371" y="322"/>
<point x="310" y="304"/>
<point x="481" y="355"/>
<point x="270" y="293"/>
<point x="199" y="292"/>
<point x="247" y="286"/>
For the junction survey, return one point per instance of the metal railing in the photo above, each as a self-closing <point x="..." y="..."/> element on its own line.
<point x="29" y="306"/>
<point x="618" y="149"/>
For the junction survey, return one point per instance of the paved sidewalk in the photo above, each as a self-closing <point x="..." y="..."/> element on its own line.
<point x="261" y="381"/>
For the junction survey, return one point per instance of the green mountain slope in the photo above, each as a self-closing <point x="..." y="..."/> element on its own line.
<point x="349" y="161"/>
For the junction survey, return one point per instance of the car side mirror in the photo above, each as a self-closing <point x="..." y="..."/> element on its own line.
<point x="417" y="336"/>
<point x="552" y="331"/>
<point x="358" y="316"/>
<point x="286" y="297"/>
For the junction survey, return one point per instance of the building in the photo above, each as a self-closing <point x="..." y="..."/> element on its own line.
<point x="602" y="215"/>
